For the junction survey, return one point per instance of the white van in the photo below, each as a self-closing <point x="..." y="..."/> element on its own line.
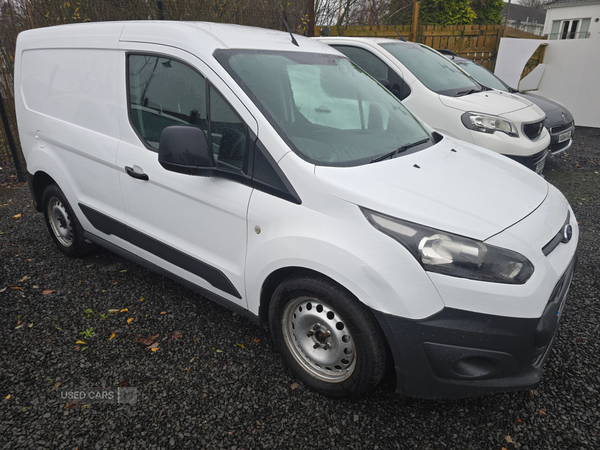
<point x="451" y="101"/>
<point x="281" y="181"/>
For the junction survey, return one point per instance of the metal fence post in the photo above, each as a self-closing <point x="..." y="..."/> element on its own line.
<point x="415" y="21"/>
<point x="11" y="143"/>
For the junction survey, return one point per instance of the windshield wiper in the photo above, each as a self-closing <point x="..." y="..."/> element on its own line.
<point x="399" y="150"/>
<point x="467" y="92"/>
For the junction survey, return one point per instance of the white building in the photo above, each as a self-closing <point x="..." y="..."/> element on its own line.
<point x="572" y="19"/>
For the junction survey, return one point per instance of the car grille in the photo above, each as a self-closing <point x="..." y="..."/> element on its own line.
<point x="560" y="128"/>
<point x="533" y="130"/>
<point x="557" y="239"/>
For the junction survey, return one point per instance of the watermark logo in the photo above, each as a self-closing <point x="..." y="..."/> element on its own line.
<point x="126" y="395"/>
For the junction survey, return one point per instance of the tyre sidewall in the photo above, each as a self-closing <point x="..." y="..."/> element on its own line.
<point x="366" y="334"/>
<point x="79" y="247"/>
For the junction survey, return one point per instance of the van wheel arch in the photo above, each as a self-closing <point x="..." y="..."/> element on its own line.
<point x="277" y="277"/>
<point x="41" y="180"/>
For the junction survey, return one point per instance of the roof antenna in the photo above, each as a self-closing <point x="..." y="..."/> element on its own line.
<point x="399" y="35"/>
<point x="286" y="25"/>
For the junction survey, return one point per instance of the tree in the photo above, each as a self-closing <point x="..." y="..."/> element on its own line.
<point x="446" y="12"/>
<point x="350" y="12"/>
<point x="535" y="4"/>
<point x="488" y="11"/>
<point x="400" y="12"/>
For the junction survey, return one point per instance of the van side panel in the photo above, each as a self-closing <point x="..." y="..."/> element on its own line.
<point x="69" y="114"/>
<point x="77" y="86"/>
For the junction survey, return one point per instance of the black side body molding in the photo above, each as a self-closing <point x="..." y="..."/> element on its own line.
<point x="161" y="271"/>
<point x="113" y="227"/>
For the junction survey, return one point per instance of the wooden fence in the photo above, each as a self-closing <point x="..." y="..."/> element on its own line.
<point x="477" y="42"/>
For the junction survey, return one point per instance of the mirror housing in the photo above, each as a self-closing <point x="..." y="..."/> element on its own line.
<point x="184" y="149"/>
<point x="386" y="83"/>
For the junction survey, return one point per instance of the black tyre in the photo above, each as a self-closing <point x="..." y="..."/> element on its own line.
<point x="328" y="339"/>
<point x="62" y="223"/>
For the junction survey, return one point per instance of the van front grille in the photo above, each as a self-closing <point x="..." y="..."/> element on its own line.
<point x="560" y="128"/>
<point x="557" y="239"/>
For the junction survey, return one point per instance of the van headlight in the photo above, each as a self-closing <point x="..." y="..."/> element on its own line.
<point x="450" y="254"/>
<point x="486" y="123"/>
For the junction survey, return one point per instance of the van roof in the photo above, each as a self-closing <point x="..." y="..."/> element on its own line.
<point x="197" y="37"/>
<point x="370" y="40"/>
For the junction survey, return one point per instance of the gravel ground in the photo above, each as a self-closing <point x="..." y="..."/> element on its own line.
<point x="216" y="380"/>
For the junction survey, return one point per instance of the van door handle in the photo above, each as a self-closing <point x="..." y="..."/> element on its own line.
<point x="132" y="172"/>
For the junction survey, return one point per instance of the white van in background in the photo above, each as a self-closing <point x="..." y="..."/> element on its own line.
<point x="280" y="180"/>
<point x="449" y="100"/>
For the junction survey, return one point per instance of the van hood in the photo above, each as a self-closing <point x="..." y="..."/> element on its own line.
<point x="452" y="186"/>
<point x="556" y="114"/>
<point x="490" y="102"/>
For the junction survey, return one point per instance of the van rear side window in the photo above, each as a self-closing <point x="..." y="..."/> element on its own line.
<point x="164" y="92"/>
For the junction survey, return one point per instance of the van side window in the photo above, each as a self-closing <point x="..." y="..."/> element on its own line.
<point x="366" y="60"/>
<point x="228" y="133"/>
<point x="376" y="68"/>
<point x="164" y="92"/>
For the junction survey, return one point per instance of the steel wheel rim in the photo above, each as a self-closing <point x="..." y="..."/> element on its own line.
<point x="59" y="221"/>
<point x="319" y="340"/>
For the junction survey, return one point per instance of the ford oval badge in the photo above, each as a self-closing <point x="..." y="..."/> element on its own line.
<point x="567" y="233"/>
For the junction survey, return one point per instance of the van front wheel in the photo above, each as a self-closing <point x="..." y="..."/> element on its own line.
<point x="328" y="339"/>
<point x="64" y="227"/>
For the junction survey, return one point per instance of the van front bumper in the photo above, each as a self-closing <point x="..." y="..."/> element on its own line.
<point x="534" y="162"/>
<point x="457" y="353"/>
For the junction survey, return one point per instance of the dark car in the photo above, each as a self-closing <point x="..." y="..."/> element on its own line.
<point x="559" y="121"/>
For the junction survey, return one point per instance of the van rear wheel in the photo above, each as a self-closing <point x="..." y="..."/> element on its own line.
<point x="328" y="339"/>
<point x="65" y="229"/>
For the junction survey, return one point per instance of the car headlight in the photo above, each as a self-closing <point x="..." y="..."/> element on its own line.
<point x="450" y="254"/>
<point x="486" y="123"/>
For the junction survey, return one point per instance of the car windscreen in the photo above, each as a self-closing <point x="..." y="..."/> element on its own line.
<point x="327" y="110"/>
<point x="432" y="69"/>
<point x="482" y="75"/>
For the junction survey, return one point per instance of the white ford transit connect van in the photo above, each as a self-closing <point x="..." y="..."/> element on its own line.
<point x="282" y="181"/>
<point x="449" y="100"/>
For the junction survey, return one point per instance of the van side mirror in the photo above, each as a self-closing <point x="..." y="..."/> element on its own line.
<point x="184" y="149"/>
<point x="386" y="83"/>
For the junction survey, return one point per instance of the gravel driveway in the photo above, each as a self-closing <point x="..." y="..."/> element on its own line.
<point x="214" y="380"/>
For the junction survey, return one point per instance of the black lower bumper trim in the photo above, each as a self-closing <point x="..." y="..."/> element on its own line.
<point x="456" y="353"/>
<point x="531" y="162"/>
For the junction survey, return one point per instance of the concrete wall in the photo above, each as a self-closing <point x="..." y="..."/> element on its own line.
<point x="571" y="75"/>
<point x="572" y="78"/>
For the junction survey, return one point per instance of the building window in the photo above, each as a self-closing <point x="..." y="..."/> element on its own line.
<point x="570" y="29"/>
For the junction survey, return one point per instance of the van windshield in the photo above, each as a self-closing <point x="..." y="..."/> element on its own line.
<point x="432" y="69"/>
<point x="328" y="110"/>
<point x="482" y="75"/>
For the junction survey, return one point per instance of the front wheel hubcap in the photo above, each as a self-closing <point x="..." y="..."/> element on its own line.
<point x="59" y="221"/>
<point x="319" y="340"/>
